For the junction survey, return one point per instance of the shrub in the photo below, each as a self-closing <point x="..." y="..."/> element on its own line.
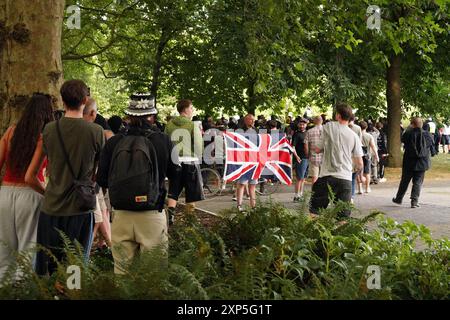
<point x="268" y="253"/>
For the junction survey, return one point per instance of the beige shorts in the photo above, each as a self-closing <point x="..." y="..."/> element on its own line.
<point x="136" y="231"/>
<point x="313" y="170"/>
<point x="103" y="206"/>
<point x="98" y="216"/>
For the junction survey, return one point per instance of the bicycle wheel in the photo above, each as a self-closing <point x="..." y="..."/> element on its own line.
<point x="212" y="182"/>
<point x="267" y="187"/>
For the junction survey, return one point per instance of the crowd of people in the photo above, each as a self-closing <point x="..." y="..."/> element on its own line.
<point x="68" y="171"/>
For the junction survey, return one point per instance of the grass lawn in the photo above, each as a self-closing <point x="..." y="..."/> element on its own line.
<point x="440" y="169"/>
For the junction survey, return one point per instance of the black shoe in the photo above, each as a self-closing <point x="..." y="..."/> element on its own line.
<point x="414" y="205"/>
<point x="394" y="200"/>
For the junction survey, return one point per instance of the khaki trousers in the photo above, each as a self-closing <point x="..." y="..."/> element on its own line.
<point x="134" y="232"/>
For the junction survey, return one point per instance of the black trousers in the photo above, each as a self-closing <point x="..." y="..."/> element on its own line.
<point x="191" y="181"/>
<point x="76" y="228"/>
<point x="417" y="179"/>
<point x="381" y="165"/>
<point x="320" y="198"/>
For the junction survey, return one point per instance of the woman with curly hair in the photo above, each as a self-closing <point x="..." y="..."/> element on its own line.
<point x="22" y="187"/>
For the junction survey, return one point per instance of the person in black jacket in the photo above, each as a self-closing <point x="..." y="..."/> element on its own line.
<point x="418" y="145"/>
<point x="382" y="151"/>
<point x="137" y="231"/>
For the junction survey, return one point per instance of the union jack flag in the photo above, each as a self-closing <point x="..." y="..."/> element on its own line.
<point x="248" y="155"/>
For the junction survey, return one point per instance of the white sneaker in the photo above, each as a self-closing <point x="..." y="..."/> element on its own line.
<point x="234" y="199"/>
<point x="368" y="190"/>
<point x="382" y="180"/>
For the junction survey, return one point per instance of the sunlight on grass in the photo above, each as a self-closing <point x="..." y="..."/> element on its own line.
<point x="440" y="169"/>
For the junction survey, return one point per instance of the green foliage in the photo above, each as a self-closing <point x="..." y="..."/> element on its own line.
<point x="268" y="253"/>
<point x="232" y="56"/>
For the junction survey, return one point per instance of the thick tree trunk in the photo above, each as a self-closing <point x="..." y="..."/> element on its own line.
<point x="30" y="54"/>
<point x="394" y="114"/>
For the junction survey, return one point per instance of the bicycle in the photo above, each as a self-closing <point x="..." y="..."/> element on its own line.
<point x="214" y="185"/>
<point x="268" y="186"/>
<point x="212" y="182"/>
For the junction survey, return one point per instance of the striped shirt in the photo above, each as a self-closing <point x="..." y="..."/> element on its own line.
<point x="313" y="136"/>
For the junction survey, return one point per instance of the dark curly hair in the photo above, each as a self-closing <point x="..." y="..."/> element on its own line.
<point x="38" y="112"/>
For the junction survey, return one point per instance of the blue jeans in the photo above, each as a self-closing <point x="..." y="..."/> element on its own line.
<point x="354" y="183"/>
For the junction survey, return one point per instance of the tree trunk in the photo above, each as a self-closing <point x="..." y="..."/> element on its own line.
<point x="252" y="99"/>
<point x="30" y="54"/>
<point x="156" y="70"/>
<point x="394" y="114"/>
<point x="165" y="37"/>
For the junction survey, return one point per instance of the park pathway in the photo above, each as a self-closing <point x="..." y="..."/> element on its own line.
<point x="433" y="213"/>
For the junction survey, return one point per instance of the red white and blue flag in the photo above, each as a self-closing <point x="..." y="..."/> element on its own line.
<point x="248" y="155"/>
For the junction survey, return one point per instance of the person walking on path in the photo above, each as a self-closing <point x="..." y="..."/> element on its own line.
<point x="357" y="174"/>
<point x="341" y="148"/>
<point x="188" y="139"/>
<point x="301" y="167"/>
<point x="245" y="183"/>
<point x="133" y="166"/>
<point x="21" y="152"/>
<point x="418" y="146"/>
<point x="382" y="151"/>
<point x="370" y="151"/>
<point x="73" y="147"/>
<point x="313" y="136"/>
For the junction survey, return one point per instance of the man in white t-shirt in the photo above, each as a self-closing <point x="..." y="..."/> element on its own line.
<point x="370" y="154"/>
<point x="341" y="147"/>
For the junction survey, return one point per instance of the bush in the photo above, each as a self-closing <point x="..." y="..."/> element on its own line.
<point x="268" y="253"/>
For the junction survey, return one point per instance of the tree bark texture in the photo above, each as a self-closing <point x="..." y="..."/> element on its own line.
<point x="394" y="113"/>
<point x="30" y="54"/>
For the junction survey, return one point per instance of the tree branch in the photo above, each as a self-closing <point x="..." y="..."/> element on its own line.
<point x="73" y="56"/>
<point x="100" y="67"/>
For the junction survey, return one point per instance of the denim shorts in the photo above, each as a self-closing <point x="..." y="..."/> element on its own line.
<point x="301" y="169"/>
<point x="245" y="180"/>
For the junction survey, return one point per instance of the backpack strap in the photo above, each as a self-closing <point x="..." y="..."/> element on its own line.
<point x="63" y="147"/>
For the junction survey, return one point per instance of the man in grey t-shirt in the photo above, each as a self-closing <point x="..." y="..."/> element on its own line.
<point x="341" y="147"/>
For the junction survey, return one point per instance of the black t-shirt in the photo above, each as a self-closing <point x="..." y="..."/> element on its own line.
<point x="101" y="121"/>
<point x="298" y="141"/>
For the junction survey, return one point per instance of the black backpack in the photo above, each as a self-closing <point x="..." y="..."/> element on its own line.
<point x="421" y="148"/>
<point x="133" y="179"/>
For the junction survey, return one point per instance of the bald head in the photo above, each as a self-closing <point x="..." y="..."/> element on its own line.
<point x="249" y="120"/>
<point x="317" y="120"/>
<point x="90" y="110"/>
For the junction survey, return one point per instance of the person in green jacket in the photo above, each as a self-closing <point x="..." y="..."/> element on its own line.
<point x="187" y="137"/>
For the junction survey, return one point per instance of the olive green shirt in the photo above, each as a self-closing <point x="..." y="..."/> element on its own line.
<point x="83" y="142"/>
